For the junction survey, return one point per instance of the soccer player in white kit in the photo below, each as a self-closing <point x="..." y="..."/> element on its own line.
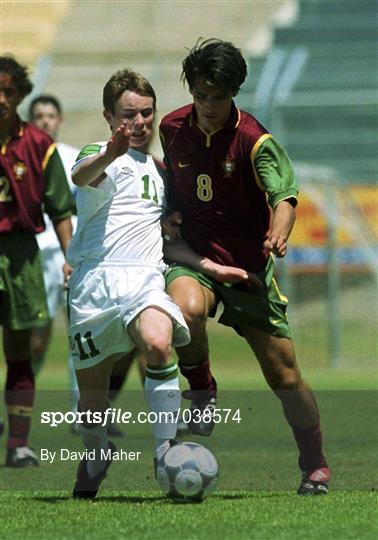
<point x="116" y="292"/>
<point x="46" y="112"/>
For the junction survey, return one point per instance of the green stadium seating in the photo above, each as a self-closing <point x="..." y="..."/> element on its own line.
<point x="327" y="8"/>
<point x="328" y="111"/>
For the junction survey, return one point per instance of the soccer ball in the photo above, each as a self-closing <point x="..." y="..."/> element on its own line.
<point x="188" y="472"/>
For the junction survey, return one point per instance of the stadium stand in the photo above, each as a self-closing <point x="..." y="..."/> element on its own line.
<point x="96" y="38"/>
<point x="22" y="24"/>
<point x="323" y="97"/>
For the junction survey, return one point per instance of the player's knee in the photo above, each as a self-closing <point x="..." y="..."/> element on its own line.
<point x="194" y="313"/>
<point x="37" y="348"/>
<point x="285" y="379"/>
<point x="158" y="349"/>
<point x="289" y="381"/>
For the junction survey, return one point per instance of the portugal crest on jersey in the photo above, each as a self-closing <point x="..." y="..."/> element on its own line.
<point x="19" y="170"/>
<point x="228" y="166"/>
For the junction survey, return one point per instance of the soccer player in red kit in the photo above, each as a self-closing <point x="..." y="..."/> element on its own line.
<point x="235" y="188"/>
<point x="31" y="175"/>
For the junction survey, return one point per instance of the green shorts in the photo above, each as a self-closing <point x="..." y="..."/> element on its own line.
<point x="264" y="308"/>
<point x="22" y="289"/>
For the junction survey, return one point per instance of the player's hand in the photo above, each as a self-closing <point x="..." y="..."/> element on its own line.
<point x="120" y="141"/>
<point x="230" y="274"/>
<point x="67" y="271"/>
<point x="171" y="227"/>
<point x="276" y="244"/>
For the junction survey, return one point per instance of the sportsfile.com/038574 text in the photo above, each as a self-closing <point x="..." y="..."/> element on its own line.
<point x="118" y="416"/>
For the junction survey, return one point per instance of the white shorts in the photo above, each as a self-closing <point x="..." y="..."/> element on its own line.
<point x="104" y="299"/>
<point x="52" y="264"/>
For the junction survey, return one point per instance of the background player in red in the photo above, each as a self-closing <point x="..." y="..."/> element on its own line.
<point x="31" y="175"/>
<point x="235" y="188"/>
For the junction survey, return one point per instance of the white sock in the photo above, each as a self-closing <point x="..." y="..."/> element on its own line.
<point x="95" y="438"/>
<point x="163" y="396"/>
<point x="161" y="447"/>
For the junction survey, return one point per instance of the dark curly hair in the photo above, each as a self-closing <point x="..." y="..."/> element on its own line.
<point x="215" y="61"/>
<point x="18" y="72"/>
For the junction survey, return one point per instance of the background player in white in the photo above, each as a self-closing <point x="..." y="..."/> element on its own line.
<point x="116" y="296"/>
<point x="45" y="111"/>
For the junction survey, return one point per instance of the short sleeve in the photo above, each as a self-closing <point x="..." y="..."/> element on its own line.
<point x="274" y="172"/>
<point x="58" y="199"/>
<point x="86" y="152"/>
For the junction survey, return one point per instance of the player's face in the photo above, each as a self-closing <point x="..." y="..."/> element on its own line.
<point x="140" y="112"/>
<point x="213" y="105"/>
<point x="10" y="97"/>
<point x="46" y="117"/>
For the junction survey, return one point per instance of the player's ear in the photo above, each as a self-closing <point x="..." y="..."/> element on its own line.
<point x="108" y="117"/>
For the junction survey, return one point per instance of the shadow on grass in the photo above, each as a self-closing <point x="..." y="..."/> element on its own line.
<point x="150" y="499"/>
<point x="53" y="499"/>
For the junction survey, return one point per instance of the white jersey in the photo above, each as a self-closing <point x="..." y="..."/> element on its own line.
<point x="68" y="155"/>
<point x="117" y="255"/>
<point x="119" y="220"/>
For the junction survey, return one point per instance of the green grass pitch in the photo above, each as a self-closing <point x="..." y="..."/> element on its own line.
<point x="257" y="458"/>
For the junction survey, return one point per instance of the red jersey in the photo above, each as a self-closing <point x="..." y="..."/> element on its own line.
<point x="31" y="175"/>
<point x="214" y="183"/>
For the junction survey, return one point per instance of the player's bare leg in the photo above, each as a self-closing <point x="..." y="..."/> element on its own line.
<point x="93" y="387"/>
<point x="118" y="378"/>
<point x="276" y="357"/>
<point x="121" y="371"/>
<point x="140" y="359"/>
<point x="19" y="397"/>
<point x="195" y="302"/>
<point x="39" y="343"/>
<point x="152" y="334"/>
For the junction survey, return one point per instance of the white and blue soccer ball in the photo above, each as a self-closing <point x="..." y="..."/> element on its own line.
<point x="188" y="472"/>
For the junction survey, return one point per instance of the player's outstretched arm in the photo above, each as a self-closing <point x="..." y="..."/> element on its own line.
<point x="91" y="170"/>
<point x="180" y="251"/>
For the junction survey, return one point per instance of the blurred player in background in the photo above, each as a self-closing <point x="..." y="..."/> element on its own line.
<point x="45" y="111"/>
<point x="234" y="186"/>
<point x="31" y="176"/>
<point x="116" y="295"/>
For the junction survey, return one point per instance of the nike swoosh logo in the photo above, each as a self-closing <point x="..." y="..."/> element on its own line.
<point x="182" y="165"/>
